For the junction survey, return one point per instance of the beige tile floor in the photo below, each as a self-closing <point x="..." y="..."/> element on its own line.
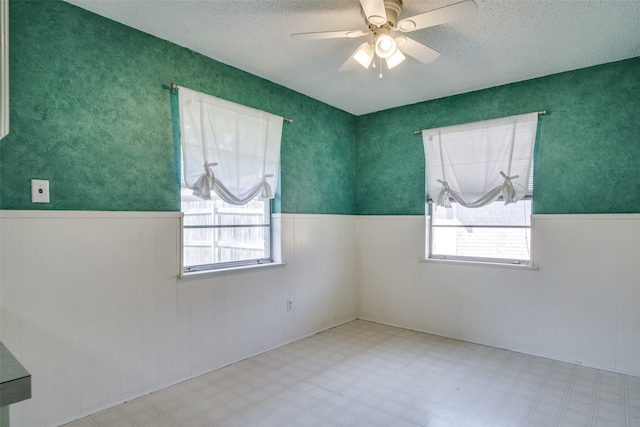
<point x="366" y="374"/>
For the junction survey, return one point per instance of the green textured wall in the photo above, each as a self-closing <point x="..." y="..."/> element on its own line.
<point x="587" y="156"/>
<point x="88" y="113"/>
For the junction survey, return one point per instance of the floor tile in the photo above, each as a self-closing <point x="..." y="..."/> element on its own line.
<point x="366" y="374"/>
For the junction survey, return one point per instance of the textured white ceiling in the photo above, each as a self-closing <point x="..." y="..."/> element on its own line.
<point x="507" y="41"/>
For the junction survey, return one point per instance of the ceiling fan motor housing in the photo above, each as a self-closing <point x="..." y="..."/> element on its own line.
<point x="392" y="9"/>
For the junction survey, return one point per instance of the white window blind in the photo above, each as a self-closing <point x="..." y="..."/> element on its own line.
<point x="228" y="148"/>
<point x="477" y="163"/>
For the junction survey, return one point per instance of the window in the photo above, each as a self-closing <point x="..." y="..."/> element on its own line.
<point x="230" y="160"/>
<point x="480" y="190"/>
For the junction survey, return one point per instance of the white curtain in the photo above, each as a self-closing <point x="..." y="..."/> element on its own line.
<point x="476" y="163"/>
<point x="228" y="148"/>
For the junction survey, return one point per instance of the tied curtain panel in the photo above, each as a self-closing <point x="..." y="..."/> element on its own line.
<point x="476" y="163"/>
<point x="228" y="148"/>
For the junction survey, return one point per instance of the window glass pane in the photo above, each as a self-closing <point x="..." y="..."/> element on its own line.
<point x="245" y="233"/>
<point x="495" y="213"/>
<point x="475" y="242"/>
<point x="493" y="231"/>
<point x="215" y="245"/>
<point x="217" y="212"/>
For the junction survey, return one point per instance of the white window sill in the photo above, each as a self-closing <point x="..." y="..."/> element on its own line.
<point x="479" y="263"/>
<point x="239" y="269"/>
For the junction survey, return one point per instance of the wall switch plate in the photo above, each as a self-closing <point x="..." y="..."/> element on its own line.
<point x="39" y="191"/>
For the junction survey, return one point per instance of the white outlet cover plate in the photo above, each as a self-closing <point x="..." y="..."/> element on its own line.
<point x="39" y="191"/>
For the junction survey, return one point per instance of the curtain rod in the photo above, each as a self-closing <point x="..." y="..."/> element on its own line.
<point x="541" y="113"/>
<point x="173" y="86"/>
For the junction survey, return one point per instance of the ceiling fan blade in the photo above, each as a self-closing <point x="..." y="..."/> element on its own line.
<point x="374" y="11"/>
<point x="443" y="15"/>
<point x="329" y="35"/>
<point x="413" y="48"/>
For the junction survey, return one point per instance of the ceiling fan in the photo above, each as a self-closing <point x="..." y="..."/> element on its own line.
<point x="381" y="16"/>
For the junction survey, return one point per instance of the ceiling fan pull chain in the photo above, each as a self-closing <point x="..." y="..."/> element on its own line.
<point x="380" y="68"/>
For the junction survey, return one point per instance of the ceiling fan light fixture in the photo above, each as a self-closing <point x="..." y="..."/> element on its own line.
<point x="364" y="54"/>
<point x="395" y="59"/>
<point x="385" y="44"/>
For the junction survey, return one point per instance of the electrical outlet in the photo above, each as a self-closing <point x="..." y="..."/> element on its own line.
<point x="39" y="191"/>
<point x="289" y="305"/>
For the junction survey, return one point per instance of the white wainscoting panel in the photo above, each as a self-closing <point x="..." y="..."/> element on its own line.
<point x="325" y="292"/>
<point x="92" y="306"/>
<point x="582" y="305"/>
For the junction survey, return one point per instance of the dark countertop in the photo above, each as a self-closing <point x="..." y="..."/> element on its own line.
<point x="15" y="381"/>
